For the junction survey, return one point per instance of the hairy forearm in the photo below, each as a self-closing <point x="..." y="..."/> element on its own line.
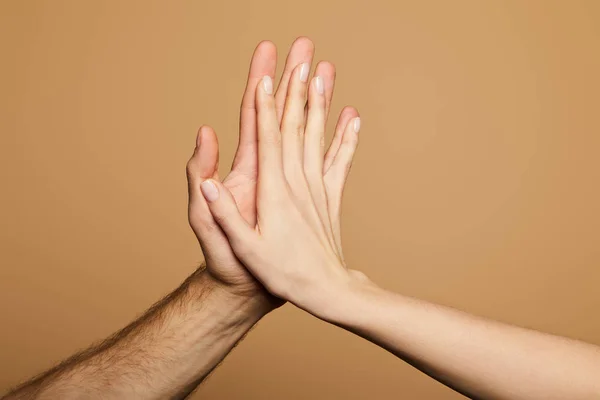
<point x="164" y="354"/>
<point x="475" y="356"/>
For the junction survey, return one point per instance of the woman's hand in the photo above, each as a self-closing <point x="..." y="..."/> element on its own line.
<point x="222" y="264"/>
<point x="294" y="247"/>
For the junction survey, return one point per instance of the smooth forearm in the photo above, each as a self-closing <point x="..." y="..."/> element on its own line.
<point x="475" y="356"/>
<point x="164" y="354"/>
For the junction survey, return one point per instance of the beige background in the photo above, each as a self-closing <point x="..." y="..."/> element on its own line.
<point x="476" y="182"/>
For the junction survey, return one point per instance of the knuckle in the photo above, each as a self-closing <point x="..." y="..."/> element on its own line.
<point x="298" y="127"/>
<point x="298" y="97"/>
<point x="220" y="218"/>
<point x="242" y="248"/>
<point x="202" y="224"/>
<point x="189" y="168"/>
<point x="349" y="143"/>
<point x="346" y="157"/>
<point x="347" y="167"/>
<point x="271" y="138"/>
<point x="266" y="103"/>
<point x="292" y="124"/>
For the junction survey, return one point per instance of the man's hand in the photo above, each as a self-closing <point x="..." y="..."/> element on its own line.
<point x="293" y="247"/>
<point x="222" y="264"/>
<point x="168" y="351"/>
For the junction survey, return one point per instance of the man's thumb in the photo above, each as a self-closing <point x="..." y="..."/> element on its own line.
<point x="225" y="212"/>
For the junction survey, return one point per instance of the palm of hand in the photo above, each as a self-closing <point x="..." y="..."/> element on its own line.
<point x="243" y="188"/>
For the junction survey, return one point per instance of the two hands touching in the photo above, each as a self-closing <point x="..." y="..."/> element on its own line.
<point x="272" y="227"/>
<point x="283" y="187"/>
<point x="270" y="232"/>
<point x="284" y="236"/>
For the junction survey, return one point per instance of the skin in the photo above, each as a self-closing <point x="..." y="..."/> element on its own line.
<point x="171" y="349"/>
<point x="164" y="354"/>
<point x="292" y="250"/>
<point x="270" y="232"/>
<point x="241" y="181"/>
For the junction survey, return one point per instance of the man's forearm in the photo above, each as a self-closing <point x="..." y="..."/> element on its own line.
<point x="166" y="353"/>
<point x="475" y="356"/>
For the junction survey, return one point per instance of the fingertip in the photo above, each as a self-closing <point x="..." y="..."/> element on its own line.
<point x="356" y="122"/>
<point x="319" y="85"/>
<point x="349" y="112"/>
<point x="347" y="116"/>
<point x="267" y="85"/>
<point x="209" y="190"/>
<point x="326" y="68"/>
<point x="205" y="132"/>
<point x="351" y="131"/>
<point x="301" y="51"/>
<point x="326" y="71"/>
<point x="304" y="42"/>
<point x="204" y="161"/>
<point x="344" y="121"/>
<point x="201" y="132"/>
<point x="207" y="140"/>
<point x="224" y="210"/>
<point x="264" y="62"/>
<point x="340" y="162"/>
<point x="265" y="46"/>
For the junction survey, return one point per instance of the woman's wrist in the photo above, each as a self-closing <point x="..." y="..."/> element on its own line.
<point x="340" y="301"/>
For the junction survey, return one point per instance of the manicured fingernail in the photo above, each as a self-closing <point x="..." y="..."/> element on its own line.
<point x="319" y="85"/>
<point x="268" y="84"/>
<point x="209" y="191"/>
<point x="304" y="72"/>
<point x="357" y="125"/>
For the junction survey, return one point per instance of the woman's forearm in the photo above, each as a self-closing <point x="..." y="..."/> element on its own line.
<point x="475" y="356"/>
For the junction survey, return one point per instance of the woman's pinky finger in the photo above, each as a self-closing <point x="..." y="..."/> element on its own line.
<point x="336" y="175"/>
<point x="347" y="114"/>
<point x="340" y="166"/>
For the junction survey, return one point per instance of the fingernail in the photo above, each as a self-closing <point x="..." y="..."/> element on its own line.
<point x="304" y="72"/>
<point x="357" y="125"/>
<point x="209" y="191"/>
<point x="268" y="84"/>
<point x="319" y="85"/>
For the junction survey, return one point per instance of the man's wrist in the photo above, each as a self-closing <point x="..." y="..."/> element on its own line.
<point x="162" y="354"/>
<point x="239" y="308"/>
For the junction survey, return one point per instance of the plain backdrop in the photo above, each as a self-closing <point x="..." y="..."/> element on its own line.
<point x="476" y="184"/>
